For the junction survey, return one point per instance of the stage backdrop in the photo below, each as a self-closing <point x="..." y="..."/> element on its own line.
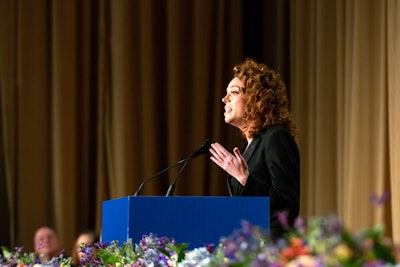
<point x="98" y="95"/>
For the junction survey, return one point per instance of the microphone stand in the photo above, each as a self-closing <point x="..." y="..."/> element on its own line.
<point x="171" y="188"/>
<point x="203" y="149"/>
<point x="158" y="173"/>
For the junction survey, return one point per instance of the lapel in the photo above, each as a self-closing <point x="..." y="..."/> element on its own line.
<point x="250" y="150"/>
<point x="247" y="155"/>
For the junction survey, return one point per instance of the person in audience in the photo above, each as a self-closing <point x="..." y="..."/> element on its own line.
<point x="81" y="251"/>
<point x="269" y="162"/>
<point x="46" y="243"/>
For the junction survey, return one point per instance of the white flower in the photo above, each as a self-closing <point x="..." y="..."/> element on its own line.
<point x="199" y="257"/>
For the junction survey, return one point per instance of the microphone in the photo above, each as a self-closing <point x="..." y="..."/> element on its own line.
<point x="203" y="149"/>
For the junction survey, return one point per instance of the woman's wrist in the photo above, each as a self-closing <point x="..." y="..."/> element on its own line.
<point x="243" y="179"/>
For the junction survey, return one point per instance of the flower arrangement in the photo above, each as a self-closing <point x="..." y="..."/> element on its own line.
<point x="316" y="241"/>
<point x="18" y="258"/>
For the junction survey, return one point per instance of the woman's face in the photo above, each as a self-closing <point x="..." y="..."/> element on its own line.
<point x="83" y="238"/>
<point x="235" y="101"/>
<point x="46" y="241"/>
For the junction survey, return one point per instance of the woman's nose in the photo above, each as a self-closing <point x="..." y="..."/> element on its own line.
<point x="225" y="99"/>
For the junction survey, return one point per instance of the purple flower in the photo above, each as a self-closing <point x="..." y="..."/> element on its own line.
<point x="380" y="200"/>
<point x="230" y="248"/>
<point x="37" y="260"/>
<point x="376" y="263"/>
<point x="300" y="225"/>
<point x="19" y="250"/>
<point x="283" y="217"/>
<point x="97" y="262"/>
<point x="40" y="245"/>
<point x="100" y="245"/>
<point x="210" y="247"/>
<point x="63" y="253"/>
<point x="88" y="254"/>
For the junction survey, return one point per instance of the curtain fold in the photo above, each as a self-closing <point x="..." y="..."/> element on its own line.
<point x="8" y="120"/>
<point x="313" y="85"/>
<point x="34" y="182"/>
<point x="393" y="65"/>
<point x="364" y="126"/>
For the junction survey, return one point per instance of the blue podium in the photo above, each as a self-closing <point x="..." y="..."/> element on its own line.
<point x="194" y="220"/>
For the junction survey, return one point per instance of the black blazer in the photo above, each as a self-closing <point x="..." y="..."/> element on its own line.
<point x="274" y="170"/>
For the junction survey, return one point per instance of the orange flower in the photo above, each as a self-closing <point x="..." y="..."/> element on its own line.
<point x="297" y="248"/>
<point x="288" y="253"/>
<point x="296" y="242"/>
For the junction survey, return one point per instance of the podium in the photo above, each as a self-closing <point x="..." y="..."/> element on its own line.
<point x="194" y="220"/>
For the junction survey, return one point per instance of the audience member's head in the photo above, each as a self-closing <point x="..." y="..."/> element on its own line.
<point x="46" y="243"/>
<point x="84" y="238"/>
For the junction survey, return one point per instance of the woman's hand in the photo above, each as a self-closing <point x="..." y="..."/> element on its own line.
<point x="234" y="164"/>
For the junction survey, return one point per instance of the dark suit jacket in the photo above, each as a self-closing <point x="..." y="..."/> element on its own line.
<point x="274" y="170"/>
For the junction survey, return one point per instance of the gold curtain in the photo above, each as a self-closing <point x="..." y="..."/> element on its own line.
<point x="344" y="89"/>
<point x="98" y="95"/>
<point x="393" y="109"/>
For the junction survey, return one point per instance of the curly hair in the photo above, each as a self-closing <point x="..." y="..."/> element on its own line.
<point x="267" y="103"/>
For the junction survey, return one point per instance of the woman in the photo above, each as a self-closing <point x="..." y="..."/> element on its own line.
<point x="83" y="249"/>
<point x="46" y="243"/>
<point x="269" y="162"/>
